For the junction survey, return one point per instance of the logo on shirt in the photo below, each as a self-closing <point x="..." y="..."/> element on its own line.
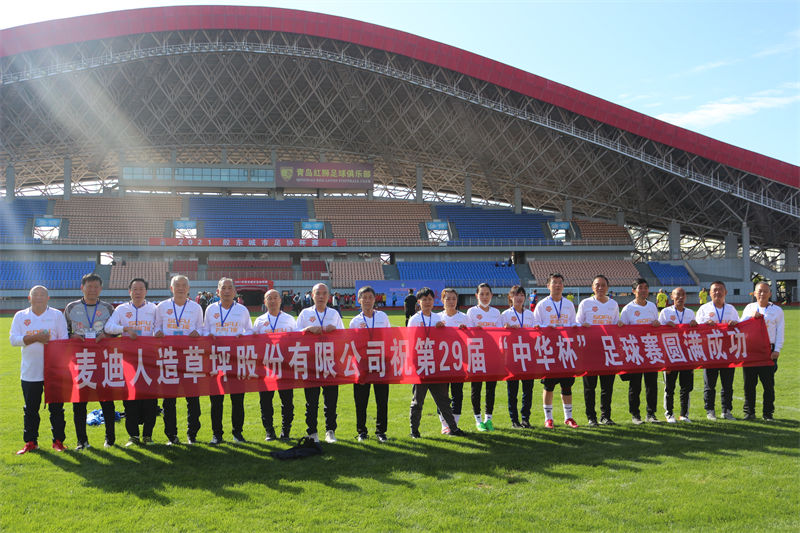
<point x="513" y="319"/>
<point x="594" y="309"/>
<point x="128" y="314"/>
<point x="636" y="313"/>
<point x="480" y="316"/>
<point x="548" y="308"/>
<point x="169" y="311"/>
<point x="216" y="315"/>
<point x="27" y="321"/>
<point x="311" y="319"/>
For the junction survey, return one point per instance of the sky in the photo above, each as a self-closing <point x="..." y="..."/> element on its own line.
<point x="726" y="69"/>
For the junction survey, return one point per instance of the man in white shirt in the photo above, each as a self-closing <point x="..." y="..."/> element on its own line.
<point x="451" y="317"/>
<point x="674" y="315"/>
<point x="133" y="319"/>
<point x="180" y="316"/>
<point x="773" y="317"/>
<point x="275" y="321"/>
<point x="516" y="316"/>
<point x="718" y="312"/>
<point x="319" y="319"/>
<point x="426" y="318"/>
<point x="598" y="310"/>
<point x="227" y="318"/>
<point x="640" y="311"/>
<point x="370" y="318"/>
<point x="483" y="315"/>
<point x="556" y="311"/>
<point x="31" y="329"/>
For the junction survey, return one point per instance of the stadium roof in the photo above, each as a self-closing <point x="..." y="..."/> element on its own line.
<point x="399" y="100"/>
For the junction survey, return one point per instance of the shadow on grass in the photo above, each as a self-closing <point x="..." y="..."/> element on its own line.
<point x="150" y="472"/>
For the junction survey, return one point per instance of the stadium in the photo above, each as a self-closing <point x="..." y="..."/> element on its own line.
<point x="181" y="140"/>
<point x="284" y="148"/>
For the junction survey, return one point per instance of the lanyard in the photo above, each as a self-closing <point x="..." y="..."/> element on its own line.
<point x="271" y="325"/>
<point x="222" y="319"/>
<point x="521" y="319"/>
<point x="373" y="320"/>
<point x="721" y="315"/>
<point x="175" y="310"/>
<point x="558" y="309"/>
<point x="136" y="318"/>
<point x="680" y="316"/>
<point x="321" y="320"/>
<point x="94" y="314"/>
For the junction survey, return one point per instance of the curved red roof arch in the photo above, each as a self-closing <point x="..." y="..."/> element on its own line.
<point x="114" y="24"/>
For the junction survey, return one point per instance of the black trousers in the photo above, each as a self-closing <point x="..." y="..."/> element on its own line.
<point x="686" y="379"/>
<point x="79" y="419"/>
<point x="361" y="398"/>
<point x="287" y="409"/>
<point x="767" y="376"/>
<point x="527" y="399"/>
<point x="237" y="413"/>
<point x="32" y="396"/>
<point x="140" y="412"/>
<point x="192" y="416"/>
<point x="456" y="397"/>
<point x="475" y="396"/>
<point x="330" y="395"/>
<point x="710" y="387"/>
<point x="650" y="392"/>
<point x="439" y="393"/>
<point x="606" y="391"/>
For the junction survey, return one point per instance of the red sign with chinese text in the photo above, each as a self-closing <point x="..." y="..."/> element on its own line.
<point x="148" y="367"/>
<point x="234" y="242"/>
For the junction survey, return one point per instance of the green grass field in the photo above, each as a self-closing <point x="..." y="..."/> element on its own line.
<point x="725" y="476"/>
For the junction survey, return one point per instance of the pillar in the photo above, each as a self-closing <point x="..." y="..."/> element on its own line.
<point x="517" y="200"/>
<point x="10" y="181"/>
<point x="468" y="191"/>
<point x="746" y="270"/>
<point x="419" y="198"/>
<point x="674" y="240"/>
<point x="67" y="178"/>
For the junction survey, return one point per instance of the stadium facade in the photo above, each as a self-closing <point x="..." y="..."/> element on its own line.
<point x="123" y="131"/>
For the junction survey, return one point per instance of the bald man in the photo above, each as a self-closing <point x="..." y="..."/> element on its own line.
<point x="674" y="315"/>
<point x="275" y="321"/>
<point x="31" y="329"/>
<point x="317" y="320"/>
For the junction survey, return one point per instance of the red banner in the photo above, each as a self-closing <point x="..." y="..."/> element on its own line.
<point x="245" y="242"/>
<point x="313" y="175"/>
<point x="122" y="368"/>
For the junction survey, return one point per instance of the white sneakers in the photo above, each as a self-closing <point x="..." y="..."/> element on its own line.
<point x="671" y="419"/>
<point x="711" y="415"/>
<point x="314" y="437"/>
<point x="330" y="436"/>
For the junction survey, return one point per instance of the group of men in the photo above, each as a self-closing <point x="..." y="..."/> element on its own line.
<point x="91" y="318"/>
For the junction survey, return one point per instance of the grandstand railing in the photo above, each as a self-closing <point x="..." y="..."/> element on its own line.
<point x="382" y="242"/>
<point x="615" y="145"/>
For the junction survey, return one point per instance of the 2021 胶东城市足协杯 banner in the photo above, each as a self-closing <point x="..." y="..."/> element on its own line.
<point x="167" y="367"/>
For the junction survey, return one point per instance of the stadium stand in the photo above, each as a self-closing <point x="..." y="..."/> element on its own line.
<point x="237" y="217"/>
<point x="360" y="220"/>
<point x="187" y="268"/>
<point x="253" y="269"/>
<point x="618" y="271"/>
<point x="461" y="273"/>
<point x="314" y="270"/>
<point x="592" y="232"/>
<point x="16" y="214"/>
<point x="346" y="273"/>
<point x="672" y="275"/>
<point x="496" y="225"/>
<point x="16" y="275"/>
<point x="131" y="219"/>
<point x="155" y="272"/>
